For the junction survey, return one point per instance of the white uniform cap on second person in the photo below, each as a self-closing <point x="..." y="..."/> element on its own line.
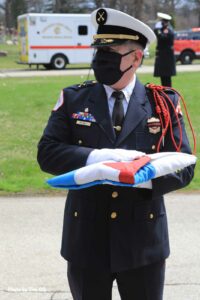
<point x="115" y="27"/>
<point x="164" y="16"/>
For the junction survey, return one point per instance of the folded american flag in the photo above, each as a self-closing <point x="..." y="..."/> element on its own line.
<point x="131" y="173"/>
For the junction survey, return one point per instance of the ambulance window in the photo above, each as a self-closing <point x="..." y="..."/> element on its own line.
<point x="82" y="30"/>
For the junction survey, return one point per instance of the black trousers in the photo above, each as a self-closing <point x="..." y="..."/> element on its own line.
<point x="145" y="283"/>
<point x="166" y="81"/>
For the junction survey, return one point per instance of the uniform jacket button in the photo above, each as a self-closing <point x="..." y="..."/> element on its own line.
<point x="113" y="215"/>
<point x="75" y="214"/>
<point x="115" y="194"/>
<point x="80" y="142"/>
<point x="153" y="147"/>
<point x="118" y="128"/>
<point x="151" y="216"/>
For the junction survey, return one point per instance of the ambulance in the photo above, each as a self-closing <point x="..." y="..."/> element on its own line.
<point x="55" y="40"/>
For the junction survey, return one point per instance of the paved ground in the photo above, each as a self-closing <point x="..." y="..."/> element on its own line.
<point x="32" y="269"/>
<point x="35" y="72"/>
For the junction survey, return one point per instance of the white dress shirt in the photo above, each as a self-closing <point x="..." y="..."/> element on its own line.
<point x="127" y="95"/>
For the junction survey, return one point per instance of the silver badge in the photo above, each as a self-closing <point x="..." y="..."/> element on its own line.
<point x="154" y="125"/>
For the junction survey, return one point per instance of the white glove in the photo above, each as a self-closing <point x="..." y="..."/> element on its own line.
<point x="145" y="185"/>
<point x="105" y="154"/>
<point x="158" y="25"/>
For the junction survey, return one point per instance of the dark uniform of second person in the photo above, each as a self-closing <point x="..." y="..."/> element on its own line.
<point x="165" y="62"/>
<point x="113" y="232"/>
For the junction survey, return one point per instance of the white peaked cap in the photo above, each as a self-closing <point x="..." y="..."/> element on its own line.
<point x="164" y="16"/>
<point x="114" y="26"/>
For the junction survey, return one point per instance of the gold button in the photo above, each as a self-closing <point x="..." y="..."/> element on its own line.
<point x="118" y="128"/>
<point x="75" y="214"/>
<point x="80" y="142"/>
<point x="153" y="147"/>
<point x="151" y="216"/>
<point x="113" y="215"/>
<point x="114" y="194"/>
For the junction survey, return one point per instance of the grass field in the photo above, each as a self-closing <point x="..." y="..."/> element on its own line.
<point x="25" y="106"/>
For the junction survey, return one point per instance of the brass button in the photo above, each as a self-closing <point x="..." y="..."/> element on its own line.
<point x="114" y="194"/>
<point x="153" y="147"/>
<point x="113" y="215"/>
<point x="76" y="214"/>
<point x="151" y="216"/>
<point x="80" y="142"/>
<point x="118" y="128"/>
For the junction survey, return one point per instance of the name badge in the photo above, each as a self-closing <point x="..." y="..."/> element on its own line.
<point x="83" y="123"/>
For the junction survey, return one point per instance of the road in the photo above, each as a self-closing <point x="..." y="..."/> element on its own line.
<point x="32" y="268"/>
<point x="69" y="72"/>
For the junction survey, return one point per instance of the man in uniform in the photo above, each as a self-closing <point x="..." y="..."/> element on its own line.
<point x="113" y="232"/>
<point x="165" y="62"/>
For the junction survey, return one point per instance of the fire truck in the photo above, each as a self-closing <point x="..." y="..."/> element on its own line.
<point x="187" y="45"/>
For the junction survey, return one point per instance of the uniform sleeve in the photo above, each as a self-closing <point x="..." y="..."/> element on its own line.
<point x="181" y="178"/>
<point x="56" y="153"/>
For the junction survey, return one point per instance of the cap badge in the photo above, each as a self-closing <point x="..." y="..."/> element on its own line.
<point x="101" y="16"/>
<point x="154" y="125"/>
<point x="106" y="41"/>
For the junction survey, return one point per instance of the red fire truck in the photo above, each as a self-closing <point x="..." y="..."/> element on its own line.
<point x="187" y="45"/>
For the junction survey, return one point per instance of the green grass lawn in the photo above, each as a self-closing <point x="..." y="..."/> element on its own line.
<point x="25" y="107"/>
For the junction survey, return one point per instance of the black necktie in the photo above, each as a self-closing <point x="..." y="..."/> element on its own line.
<point x="118" y="111"/>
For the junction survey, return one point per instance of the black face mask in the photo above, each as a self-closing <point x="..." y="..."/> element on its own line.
<point x="106" y="66"/>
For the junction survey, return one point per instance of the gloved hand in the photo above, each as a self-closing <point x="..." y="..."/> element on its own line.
<point x="105" y="154"/>
<point x="145" y="185"/>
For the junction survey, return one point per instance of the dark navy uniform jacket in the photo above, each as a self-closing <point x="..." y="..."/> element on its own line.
<point x="105" y="226"/>
<point x="165" y="62"/>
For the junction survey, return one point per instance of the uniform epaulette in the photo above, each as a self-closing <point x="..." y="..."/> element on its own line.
<point x="169" y="90"/>
<point x="156" y="86"/>
<point x="88" y="83"/>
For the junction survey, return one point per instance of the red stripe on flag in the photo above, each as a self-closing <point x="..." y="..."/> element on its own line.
<point x="129" y="169"/>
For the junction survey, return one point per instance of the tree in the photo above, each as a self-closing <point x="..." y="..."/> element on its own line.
<point x="145" y="10"/>
<point x="13" y="8"/>
<point x="132" y="7"/>
<point x="197" y="10"/>
<point x="35" y="6"/>
<point x="73" y="6"/>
